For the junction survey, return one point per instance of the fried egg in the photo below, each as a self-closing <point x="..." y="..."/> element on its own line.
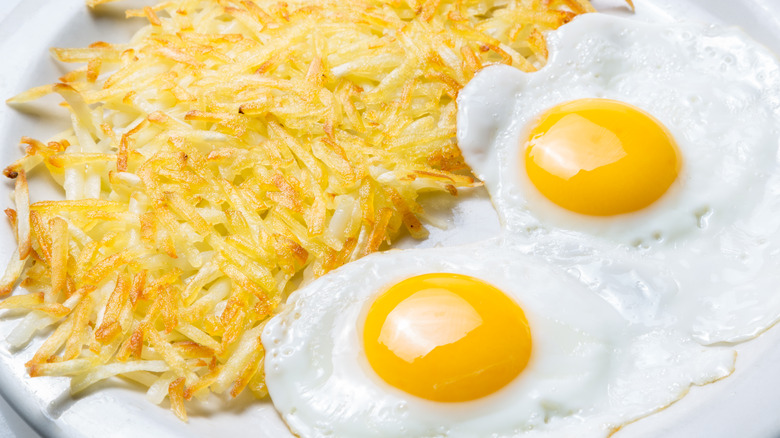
<point x="478" y="340"/>
<point x="650" y="149"/>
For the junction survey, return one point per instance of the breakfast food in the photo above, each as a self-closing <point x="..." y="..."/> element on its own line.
<point x="589" y="370"/>
<point x="183" y="227"/>
<point x="230" y="151"/>
<point x="682" y="228"/>
<point x="624" y="255"/>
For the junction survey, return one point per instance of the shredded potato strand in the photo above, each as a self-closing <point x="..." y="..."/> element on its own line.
<point x="232" y="150"/>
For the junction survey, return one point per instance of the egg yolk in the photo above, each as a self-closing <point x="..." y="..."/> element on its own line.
<point x="446" y="337"/>
<point x="601" y="157"/>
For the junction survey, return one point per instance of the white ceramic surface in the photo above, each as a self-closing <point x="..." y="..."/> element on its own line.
<point x="11" y="424"/>
<point x="743" y="405"/>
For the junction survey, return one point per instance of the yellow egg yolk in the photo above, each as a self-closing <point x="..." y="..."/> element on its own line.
<point x="446" y="337"/>
<point x="601" y="157"/>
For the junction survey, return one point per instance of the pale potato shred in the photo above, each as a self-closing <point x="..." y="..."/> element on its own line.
<point x="230" y="151"/>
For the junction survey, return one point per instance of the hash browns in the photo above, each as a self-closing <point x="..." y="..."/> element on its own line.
<point x="230" y="151"/>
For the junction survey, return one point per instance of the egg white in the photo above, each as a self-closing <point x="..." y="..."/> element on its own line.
<point x="716" y="90"/>
<point x="590" y="371"/>
<point x="704" y="255"/>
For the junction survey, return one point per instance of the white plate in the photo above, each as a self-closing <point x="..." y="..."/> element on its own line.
<point x="744" y="405"/>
